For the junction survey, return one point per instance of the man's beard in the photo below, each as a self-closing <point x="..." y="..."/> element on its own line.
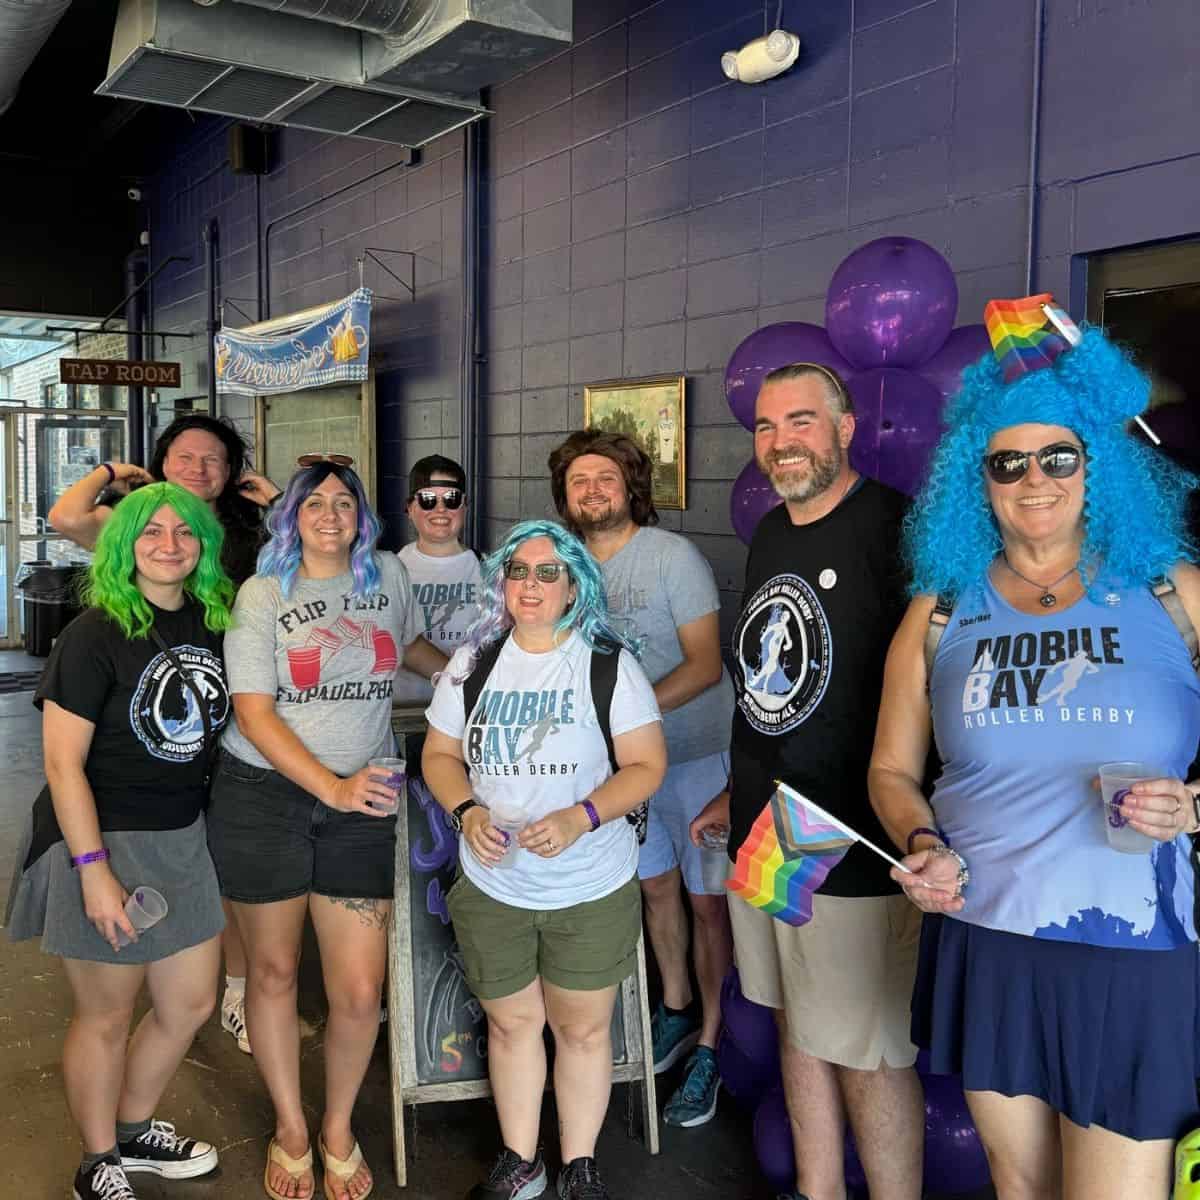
<point x="595" y="519"/>
<point x="797" y="487"/>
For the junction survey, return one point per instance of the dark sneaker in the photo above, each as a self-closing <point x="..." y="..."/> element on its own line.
<point x="671" y="1038"/>
<point x="580" y="1180"/>
<point x="233" y="1020"/>
<point x="695" y="1101"/>
<point x="511" y="1178"/>
<point x="161" y="1151"/>
<point x="105" y="1181"/>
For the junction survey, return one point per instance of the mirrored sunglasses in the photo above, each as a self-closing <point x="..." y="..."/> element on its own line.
<point x="542" y="572"/>
<point x="338" y="460"/>
<point x="1059" y="461"/>
<point x="427" y="498"/>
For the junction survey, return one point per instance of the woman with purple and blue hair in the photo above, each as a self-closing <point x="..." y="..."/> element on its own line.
<point x="300" y="823"/>
<point x="544" y="735"/>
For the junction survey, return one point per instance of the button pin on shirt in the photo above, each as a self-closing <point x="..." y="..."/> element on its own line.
<point x="827" y="578"/>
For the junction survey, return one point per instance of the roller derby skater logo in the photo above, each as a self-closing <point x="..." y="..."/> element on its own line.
<point x="308" y="661"/>
<point x="164" y="712"/>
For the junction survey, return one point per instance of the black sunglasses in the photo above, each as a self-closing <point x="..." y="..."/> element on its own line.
<point x="542" y="572"/>
<point x="427" y="498"/>
<point x="1059" y="461"/>
<point x="338" y="460"/>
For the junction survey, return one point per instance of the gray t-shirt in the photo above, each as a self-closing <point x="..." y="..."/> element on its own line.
<point x="657" y="582"/>
<point x="329" y="659"/>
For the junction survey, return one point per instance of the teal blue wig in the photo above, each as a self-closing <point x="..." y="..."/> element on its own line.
<point x="1134" y="497"/>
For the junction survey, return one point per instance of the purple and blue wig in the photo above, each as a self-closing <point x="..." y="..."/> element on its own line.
<point x="589" y="613"/>
<point x="1134" y="498"/>
<point x="281" y="555"/>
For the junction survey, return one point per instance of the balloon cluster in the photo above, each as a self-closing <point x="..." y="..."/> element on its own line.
<point x="888" y="333"/>
<point x="748" y="1059"/>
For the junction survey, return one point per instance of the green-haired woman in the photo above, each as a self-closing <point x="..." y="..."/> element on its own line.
<point x="132" y="698"/>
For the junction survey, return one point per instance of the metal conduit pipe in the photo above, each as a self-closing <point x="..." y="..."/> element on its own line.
<point x="375" y="16"/>
<point x="468" y="426"/>
<point x="1035" y="135"/>
<point x="209" y="234"/>
<point x="24" y="27"/>
<point x="136" y="264"/>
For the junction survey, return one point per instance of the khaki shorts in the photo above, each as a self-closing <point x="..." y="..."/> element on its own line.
<point x="582" y="948"/>
<point x="844" y="980"/>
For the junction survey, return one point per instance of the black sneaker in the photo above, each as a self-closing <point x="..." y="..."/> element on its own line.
<point x="105" y="1181"/>
<point x="580" y="1180"/>
<point x="161" y="1151"/>
<point x="511" y="1178"/>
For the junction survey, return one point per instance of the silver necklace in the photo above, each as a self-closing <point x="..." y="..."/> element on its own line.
<point x="1047" y="599"/>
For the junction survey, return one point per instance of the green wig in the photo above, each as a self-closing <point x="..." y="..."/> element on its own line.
<point x="111" y="584"/>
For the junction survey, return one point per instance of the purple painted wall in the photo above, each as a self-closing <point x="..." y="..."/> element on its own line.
<point x="642" y="214"/>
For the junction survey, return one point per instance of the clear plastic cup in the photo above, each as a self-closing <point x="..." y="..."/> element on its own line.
<point x="714" y="858"/>
<point x="1115" y="781"/>
<point x="510" y="820"/>
<point x="144" y="908"/>
<point x="392" y="772"/>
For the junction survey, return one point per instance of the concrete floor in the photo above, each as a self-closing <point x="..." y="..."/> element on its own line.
<point x="217" y="1094"/>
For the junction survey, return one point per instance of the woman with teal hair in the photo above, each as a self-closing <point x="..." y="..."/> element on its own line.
<point x="544" y="736"/>
<point x="1058" y="970"/>
<point x="132" y="699"/>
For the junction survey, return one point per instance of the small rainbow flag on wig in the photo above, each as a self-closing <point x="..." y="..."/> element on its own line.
<point x="791" y="847"/>
<point x="1028" y="334"/>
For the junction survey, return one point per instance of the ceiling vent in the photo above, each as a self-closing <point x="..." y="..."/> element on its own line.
<point x="399" y="71"/>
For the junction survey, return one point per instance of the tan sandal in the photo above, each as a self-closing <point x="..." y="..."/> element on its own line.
<point x="341" y="1169"/>
<point x="295" y="1167"/>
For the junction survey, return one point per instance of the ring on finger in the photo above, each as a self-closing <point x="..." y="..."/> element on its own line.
<point x="1178" y="806"/>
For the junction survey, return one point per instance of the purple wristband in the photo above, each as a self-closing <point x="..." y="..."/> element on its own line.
<point x="92" y="856"/>
<point x="921" y="829"/>
<point x="592" y="814"/>
<point x="112" y="475"/>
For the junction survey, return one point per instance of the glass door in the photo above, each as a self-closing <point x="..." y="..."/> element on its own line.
<point x="10" y="629"/>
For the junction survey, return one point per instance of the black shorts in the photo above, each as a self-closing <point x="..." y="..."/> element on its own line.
<point x="271" y="840"/>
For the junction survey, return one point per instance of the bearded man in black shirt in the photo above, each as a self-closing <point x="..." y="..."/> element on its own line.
<point x="824" y="594"/>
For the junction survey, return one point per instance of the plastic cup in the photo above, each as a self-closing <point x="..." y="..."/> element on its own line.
<point x="394" y="770"/>
<point x="714" y="858"/>
<point x="1115" y="781"/>
<point x="510" y="821"/>
<point x="144" y="908"/>
<point x="304" y="662"/>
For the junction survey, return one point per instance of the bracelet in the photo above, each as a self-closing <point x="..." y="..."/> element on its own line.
<point x="112" y="475"/>
<point x="964" y="875"/>
<point x="921" y="829"/>
<point x="592" y="814"/>
<point x="92" y="856"/>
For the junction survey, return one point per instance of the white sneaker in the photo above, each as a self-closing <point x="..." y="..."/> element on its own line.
<point x="233" y="1019"/>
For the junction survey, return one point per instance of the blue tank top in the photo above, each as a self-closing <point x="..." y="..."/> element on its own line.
<point x="1025" y="709"/>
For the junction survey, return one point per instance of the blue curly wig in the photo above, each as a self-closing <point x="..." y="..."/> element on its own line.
<point x="281" y="555"/>
<point x="589" y="613"/>
<point x="1134" y="498"/>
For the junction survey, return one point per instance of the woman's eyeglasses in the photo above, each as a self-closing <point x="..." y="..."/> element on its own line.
<point x="427" y="498"/>
<point x="338" y="460"/>
<point x="542" y="572"/>
<point x="1059" y="461"/>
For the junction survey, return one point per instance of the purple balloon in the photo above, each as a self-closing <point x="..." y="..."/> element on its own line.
<point x="751" y="499"/>
<point x="898" y="416"/>
<point x="954" y="1157"/>
<point x="740" y="1077"/>
<point x="773" y="1141"/>
<point x="770" y="347"/>
<point x="891" y="302"/>
<point x="751" y="1026"/>
<point x="965" y="345"/>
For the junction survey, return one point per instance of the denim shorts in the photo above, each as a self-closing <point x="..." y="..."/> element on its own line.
<point x="271" y="840"/>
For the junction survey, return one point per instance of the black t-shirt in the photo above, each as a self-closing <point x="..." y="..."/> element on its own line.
<point x="821" y="604"/>
<point x="147" y="762"/>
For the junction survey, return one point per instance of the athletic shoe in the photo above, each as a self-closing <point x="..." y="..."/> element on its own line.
<point x="671" y="1036"/>
<point x="105" y="1181"/>
<point x="233" y="1019"/>
<point x="511" y="1178"/>
<point x="161" y="1151"/>
<point x="580" y="1180"/>
<point x="695" y="1101"/>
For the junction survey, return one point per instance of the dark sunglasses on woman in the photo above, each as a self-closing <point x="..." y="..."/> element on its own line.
<point x="542" y="572"/>
<point x="427" y="498"/>
<point x="1059" y="461"/>
<point x="338" y="460"/>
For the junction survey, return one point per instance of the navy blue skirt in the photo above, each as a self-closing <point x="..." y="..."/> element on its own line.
<point x="1105" y="1037"/>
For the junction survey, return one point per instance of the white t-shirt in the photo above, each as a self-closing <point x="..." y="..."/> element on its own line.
<point x="534" y="739"/>
<point x="446" y="594"/>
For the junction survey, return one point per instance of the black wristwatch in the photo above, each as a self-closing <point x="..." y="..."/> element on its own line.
<point x="1195" y="804"/>
<point x="461" y="811"/>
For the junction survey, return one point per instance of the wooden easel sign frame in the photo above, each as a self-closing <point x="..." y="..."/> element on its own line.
<point x="439" y="1054"/>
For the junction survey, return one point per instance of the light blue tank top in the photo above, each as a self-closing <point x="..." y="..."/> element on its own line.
<point x="1025" y="709"/>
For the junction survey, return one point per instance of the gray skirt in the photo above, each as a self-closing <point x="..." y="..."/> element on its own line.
<point x="47" y="902"/>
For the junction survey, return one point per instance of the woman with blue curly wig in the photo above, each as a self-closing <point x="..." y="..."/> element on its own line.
<point x="132" y="698"/>
<point x="301" y="823"/>
<point x="1058" y="973"/>
<point x="544" y="736"/>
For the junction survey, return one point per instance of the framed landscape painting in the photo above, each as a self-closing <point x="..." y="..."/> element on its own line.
<point x="651" y="413"/>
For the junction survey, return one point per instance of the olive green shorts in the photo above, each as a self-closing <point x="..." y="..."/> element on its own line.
<point x="582" y="948"/>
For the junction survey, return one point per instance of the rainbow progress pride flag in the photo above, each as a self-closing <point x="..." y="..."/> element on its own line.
<point x="1028" y="334"/>
<point x="791" y="848"/>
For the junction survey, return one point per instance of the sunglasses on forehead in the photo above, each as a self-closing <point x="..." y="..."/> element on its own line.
<point x="542" y="572"/>
<point x="427" y="498"/>
<point x="1059" y="461"/>
<point x="338" y="460"/>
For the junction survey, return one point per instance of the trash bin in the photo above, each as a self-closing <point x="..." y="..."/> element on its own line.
<point x="50" y="601"/>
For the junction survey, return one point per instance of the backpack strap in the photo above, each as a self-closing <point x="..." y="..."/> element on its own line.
<point x="939" y="619"/>
<point x="604" y="681"/>
<point x="473" y="684"/>
<point x="1165" y="593"/>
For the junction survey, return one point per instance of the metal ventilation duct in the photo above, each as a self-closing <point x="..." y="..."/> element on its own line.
<point x="24" y="28"/>
<point x="374" y="16"/>
<point x="277" y="67"/>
